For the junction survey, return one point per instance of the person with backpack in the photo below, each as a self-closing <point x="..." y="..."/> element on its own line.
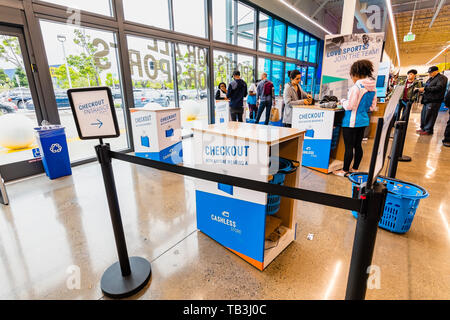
<point x="265" y="95"/>
<point x="362" y="98"/>
<point x="237" y="91"/>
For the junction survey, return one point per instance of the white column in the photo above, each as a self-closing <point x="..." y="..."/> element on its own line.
<point x="348" y="16"/>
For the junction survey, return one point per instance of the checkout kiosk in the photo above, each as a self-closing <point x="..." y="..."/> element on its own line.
<point x="157" y="134"/>
<point x="323" y="148"/>
<point x="236" y="217"/>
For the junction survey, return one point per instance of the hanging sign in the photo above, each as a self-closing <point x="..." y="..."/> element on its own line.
<point x="340" y="52"/>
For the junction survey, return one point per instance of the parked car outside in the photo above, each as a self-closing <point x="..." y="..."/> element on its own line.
<point x="7" y="107"/>
<point x="144" y="96"/>
<point x="19" y="96"/>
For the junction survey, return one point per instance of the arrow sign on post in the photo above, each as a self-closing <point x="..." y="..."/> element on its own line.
<point x="98" y="123"/>
<point x="94" y="112"/>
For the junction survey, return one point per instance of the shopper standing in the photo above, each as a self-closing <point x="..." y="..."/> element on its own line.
<point x="361" y="99"/>
<point x="265" y="95"/>
<point x="446" y="141"/>
<point x="409" y="94"/>
<point x="433" y="95"/>
<point x="251" y="101"/>
<point x="237" y="91"/>
<point x="293" y="95"/>
<point x="221" y="93"/>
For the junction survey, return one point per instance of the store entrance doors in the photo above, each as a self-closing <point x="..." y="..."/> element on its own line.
<point x="19" y="109"/>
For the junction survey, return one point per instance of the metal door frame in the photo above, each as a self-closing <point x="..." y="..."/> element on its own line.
<point x="22" y="169"/>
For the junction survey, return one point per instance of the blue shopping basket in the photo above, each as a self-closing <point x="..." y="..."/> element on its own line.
<point x="283" y="167"/>
<point x="401" y="202"/>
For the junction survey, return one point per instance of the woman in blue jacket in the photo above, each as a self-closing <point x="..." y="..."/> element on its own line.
<point x="361" y="100"/>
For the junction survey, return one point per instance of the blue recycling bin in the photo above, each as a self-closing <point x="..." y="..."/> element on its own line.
<point x="54" y="152"/>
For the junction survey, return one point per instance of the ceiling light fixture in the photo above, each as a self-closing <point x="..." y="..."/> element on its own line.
<point x="394" y="32"/>
<point x="442" y="51"/>
<point x="304" y="16"/>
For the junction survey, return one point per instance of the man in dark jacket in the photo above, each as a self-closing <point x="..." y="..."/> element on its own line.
<point x="446" y="140"/>
<point x="434" y="91"/>
<point x="237" y="91"/>
<point x="410" y="95"/>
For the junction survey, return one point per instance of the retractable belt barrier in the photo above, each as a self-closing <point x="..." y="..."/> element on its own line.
<point x="289" y="192"/>
<point x="131" y="274"/>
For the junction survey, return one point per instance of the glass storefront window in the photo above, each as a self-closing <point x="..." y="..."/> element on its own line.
<point x="185" y="21"/>
<point x="83" y="57"/>
<point x="277" y="76"/>
<point x="313" y="50"/>
<point x="223" y="20"/>
<point x="279" y="37"/>
<point x="102" y="7"/>
<point x="17" y="111"/>
<point x="303" y="72"/>
<point x="246" y="65"/>
<point x="291" y="43"/>
<point x="224" y="65"/>
<point x="192" y="73"/>
<point x="300" y="45"/>
<point x="151" y="72"/>
<point x="153" y="13"/>
<point x="246" y="26"/>
<point x="265" y="33"/>
<point x="306" y="48"/>
<point x="264" y="65"/>
<point x="310" y="79"/>
<point x="227" y="62"/>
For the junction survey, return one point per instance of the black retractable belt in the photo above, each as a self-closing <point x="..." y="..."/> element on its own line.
<point x="289" y="192"/>
<point x="400" y="127"/>
<point x="405" y="117"/>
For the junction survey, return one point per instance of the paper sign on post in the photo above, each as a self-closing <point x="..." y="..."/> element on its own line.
<point x="94" y="112"/>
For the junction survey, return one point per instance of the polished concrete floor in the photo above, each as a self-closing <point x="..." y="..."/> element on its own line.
<point x="55" y="231"/>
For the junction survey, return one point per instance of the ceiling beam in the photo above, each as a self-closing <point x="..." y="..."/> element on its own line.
<point x="320" y="8"/>
<point x="437" y="12"/>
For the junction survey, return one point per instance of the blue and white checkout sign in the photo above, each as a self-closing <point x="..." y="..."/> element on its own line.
<point x="157" y="134"/>
<point x="222" y="114"/>
<point x="318" y="124"/>
<point x="94" y="112"/>
<point x="236" y="217"/>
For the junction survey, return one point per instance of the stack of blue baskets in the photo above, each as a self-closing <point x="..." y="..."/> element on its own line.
<point x="284" y="167"/>
<point x="335" y="137"/>
<point x="401" y="203"/>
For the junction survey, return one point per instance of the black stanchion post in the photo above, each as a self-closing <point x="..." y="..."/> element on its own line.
<point x="400" y="126"/>
<point x="129" y="275"/>
<point x="3" y="194"/>
<point x="405" y="117"/>
<point x="364" y="242"/>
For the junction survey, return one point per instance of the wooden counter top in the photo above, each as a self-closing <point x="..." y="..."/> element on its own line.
<point x="255" y="132"/>
<point x="316" y="107"/>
